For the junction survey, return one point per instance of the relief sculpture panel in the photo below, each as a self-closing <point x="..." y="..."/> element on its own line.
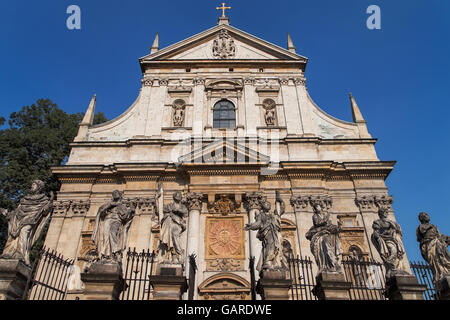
<point x="224" y="241"/>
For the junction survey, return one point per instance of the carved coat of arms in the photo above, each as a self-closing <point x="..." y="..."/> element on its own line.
<point x="223" y="46"/>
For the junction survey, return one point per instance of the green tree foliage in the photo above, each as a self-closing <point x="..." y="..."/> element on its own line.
<point x="37" y="139"/>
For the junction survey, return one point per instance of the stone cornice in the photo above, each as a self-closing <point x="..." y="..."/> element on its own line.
<point x="160" y="141"/>
<point x="316" y="170"/>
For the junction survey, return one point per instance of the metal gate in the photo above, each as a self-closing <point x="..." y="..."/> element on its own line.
<point x="139" y="266"/>
<point x="367" y="278"/>
<point x="49" y="277"/>
<point x="303" y="279"/>
<point x="425" y="276"/>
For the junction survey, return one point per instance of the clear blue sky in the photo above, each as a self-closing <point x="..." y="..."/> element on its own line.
<point x="399" y="74"/>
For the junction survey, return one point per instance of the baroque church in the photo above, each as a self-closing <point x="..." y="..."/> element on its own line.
<point x="227" y="117"/>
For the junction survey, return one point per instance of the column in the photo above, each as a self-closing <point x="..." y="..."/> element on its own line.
<point x="147" y="211"/>
<point x="60" y="210"/>
<point x="252" y="112"/>
<point x="300" y="205"/>
<point x="195" y="207"/>
<point x="368" y="216"/>
<point x="294" y="121"/>
<point x="200" y="110"/>
<point x="251" y="204"/>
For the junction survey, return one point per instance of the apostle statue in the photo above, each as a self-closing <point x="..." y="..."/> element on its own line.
<point x="434" y="247"/>
<point x="111" y="228"/>
<point x="172" y="226"/>
<point x="324" y="237"/>
<point x="387" y="239"/>
<point x="268" y="225"/>
<point x="25" y="223"/>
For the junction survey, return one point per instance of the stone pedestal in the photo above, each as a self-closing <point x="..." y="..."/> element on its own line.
<point x="274" y="285"/>
<point x="168" y="282"/>
<point x="14" y="275"/>
<point x="443" y="288"/>
<point x="404" y="287"/>
<point x="332" y="286"/>
<point x="103" y="281"/>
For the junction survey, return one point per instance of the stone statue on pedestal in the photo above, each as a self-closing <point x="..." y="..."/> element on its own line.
<point x="268" y="225"/>
<point x="25" y="223"/>
<point x="172" y="226"/>
<point x="387" y="239"/>
<point x="434" y="247"/>
<point x="111" y="228"/>
<point x="324" y="237"/>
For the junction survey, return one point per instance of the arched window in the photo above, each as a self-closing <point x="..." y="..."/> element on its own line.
<point x="224" y="115"/>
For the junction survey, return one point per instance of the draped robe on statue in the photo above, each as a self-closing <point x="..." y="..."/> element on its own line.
<point x="172" y="226"/>
<point x="386" y="238"/>
<point x="434" y="249"/>
<point x="111" y="229"/>
<point x="325" y="243"/>
<point x="25" y="225"/>
<point x="269" y="233"/>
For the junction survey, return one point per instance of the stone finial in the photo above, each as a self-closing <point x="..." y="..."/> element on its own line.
<point x="359" y="119"/>
<point x="356" y="113"/>
<point x="290" y="43"/>
<point x="88" y="120"/>
<point x="155" y="46"/>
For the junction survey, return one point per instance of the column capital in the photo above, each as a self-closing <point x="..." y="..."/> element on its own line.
<point x="194" y="201"/>
<point x="252" y="200"/>
<point x="372" y="202"/>
<point x="147" y="206"/>
<point x="81" y="207"/>
<point x="147" y="81"/>
<point x="199" y="81"/>
<point x="60" y="208"/>
<point x="249" y="81"/>
<point x="301" y="202"/>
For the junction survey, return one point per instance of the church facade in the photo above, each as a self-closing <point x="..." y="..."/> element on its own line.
<point x="224" y="118"/>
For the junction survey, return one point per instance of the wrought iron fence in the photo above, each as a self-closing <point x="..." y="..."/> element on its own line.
<point x="425" y="276"/>
<point x="367" y="278"/>
<point x="192" y="273"/>
<point x="303" y="279"/>
<point x="49" y="277"/>
<point x="139" y="266"/>
<point x="252" y="277"/>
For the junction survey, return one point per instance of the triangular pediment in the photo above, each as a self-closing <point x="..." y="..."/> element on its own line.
<point x="224" y="152"/>
<point x="209" y="45"/>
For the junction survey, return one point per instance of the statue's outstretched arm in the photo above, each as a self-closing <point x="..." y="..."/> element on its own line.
<point x="253" y="226"/>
